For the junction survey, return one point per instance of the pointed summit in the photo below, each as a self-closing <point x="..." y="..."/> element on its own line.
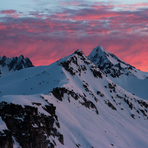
<point x="99" y="55"/>
<point x="99" y="48"/>
<point x="79" y="52"/>
<point x="21" y="57"/>
<point x="109" y="63"/>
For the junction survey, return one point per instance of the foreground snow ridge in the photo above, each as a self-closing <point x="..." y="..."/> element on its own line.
<point x="74" y="103"/>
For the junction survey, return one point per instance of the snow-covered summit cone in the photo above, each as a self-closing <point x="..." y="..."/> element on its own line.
<point x="109" y="63"/>
<point x="14" y="64"/>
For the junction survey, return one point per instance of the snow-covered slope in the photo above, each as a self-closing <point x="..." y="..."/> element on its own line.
<point x="9" y="65"/>
<point x="70" y="103"/>
<point x="121" y="73"/>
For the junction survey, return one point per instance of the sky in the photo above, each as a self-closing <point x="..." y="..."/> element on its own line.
<point x="46" y="31"/>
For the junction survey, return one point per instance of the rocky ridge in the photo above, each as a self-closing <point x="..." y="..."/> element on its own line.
<point x="109" y="63"/>
<point x="14" y="64"/>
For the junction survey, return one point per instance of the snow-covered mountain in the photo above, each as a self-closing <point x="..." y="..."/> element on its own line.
<point x="9" y="65"/>
<point x="120" y="72"/>
<point x="111" y="65"/>
<point x="68" y="104"/>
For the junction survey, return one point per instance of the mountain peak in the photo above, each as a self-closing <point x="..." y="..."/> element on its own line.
<point x="79" y="52"/>
<point x="99" y="55"/>
<point x="14" y="63"/>
<point x="109" y="63"/>
<point x="21" y="57"/>
<point x="99" y="48"/>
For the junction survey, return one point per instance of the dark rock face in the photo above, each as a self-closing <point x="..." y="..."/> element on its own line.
<point x="30" y="128"/>
<point x="60" y="92"/>
<point x="79" y="56"/>
<point x="80" y="61"/>
<point x="6" y="140"/>
<point x="110" y="105"/>
<point x="66" y="66"/>
<point x="96" y="72"/>
<point x="89" y="104"/>
<point x="16" y="63"/>
<point x="2" y="61"/>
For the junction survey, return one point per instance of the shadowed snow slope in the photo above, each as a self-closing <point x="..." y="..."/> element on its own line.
<point x="70" y="104"/>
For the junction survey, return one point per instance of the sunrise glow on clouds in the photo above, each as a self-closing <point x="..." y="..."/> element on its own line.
<point x="46" y="32"/>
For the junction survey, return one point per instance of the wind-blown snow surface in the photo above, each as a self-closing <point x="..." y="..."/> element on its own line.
<point x="121" y="73"/>
<point x="92" y="110"/>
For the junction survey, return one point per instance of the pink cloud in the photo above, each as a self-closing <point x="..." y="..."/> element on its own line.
<point x="60" y="34"/>
<point x="8" y="12"/>
<point x="132" y="6"/>
<point x="12" y="13"/>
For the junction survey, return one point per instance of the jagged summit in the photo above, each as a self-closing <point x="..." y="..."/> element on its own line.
<point x="99" y="48"/>
<point x="78" y="51"/>
<point x="99" y="56"/>
<point x="14" y="64"/>
<point x="109" y="63"/>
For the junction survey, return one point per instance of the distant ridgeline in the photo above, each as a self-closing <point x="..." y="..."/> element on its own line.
<point x="13" y="64"/>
